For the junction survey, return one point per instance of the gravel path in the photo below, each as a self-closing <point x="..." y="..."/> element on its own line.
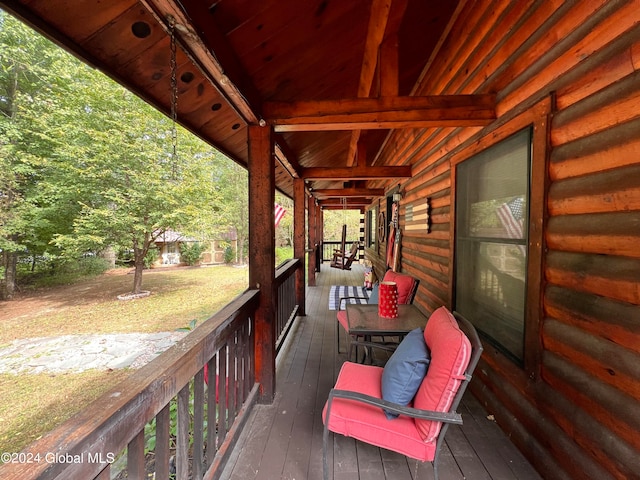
<point x="77" y="353"/>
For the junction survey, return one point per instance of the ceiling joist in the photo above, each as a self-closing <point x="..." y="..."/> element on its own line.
<point x="381" y="113"/>
<point x="356" y="173"/>
<point x="339" y="204"/>
<point x="348" y="192"/>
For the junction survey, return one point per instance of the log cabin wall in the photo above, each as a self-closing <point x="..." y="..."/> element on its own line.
<point x="570" y="69"/>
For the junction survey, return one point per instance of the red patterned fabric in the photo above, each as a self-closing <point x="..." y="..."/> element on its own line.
<point x="388" y="300"/>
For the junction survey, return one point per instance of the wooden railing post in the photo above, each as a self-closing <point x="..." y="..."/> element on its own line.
<point x="262" y="258"/>
<point x="313" y="243"/>
<point x="299" y="198"/>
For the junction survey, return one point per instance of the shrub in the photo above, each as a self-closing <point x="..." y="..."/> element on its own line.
<point x="229" y="254"/>
<point x="191" y="252"/>
<point x="151" y="257"/>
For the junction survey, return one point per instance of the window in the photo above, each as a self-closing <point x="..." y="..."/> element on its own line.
<point x="371" y="227"/>
<point x="492" y="199"/>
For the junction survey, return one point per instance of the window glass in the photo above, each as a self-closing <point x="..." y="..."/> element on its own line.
<point x="491" y="241"/>
<point x="371" y="231"/>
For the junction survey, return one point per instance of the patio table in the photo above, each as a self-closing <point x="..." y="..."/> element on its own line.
<point x="364" y="321"/>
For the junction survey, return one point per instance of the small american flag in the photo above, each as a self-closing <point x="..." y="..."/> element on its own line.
<point x="511" y="216"/>
<point x="279" y="212"/>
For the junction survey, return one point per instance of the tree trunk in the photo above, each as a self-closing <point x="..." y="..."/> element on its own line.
<point x="8" y="285"/>
<point x="137" y="275"/>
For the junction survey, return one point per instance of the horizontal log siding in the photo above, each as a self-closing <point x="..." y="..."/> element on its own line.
<point x="576" y="413"/>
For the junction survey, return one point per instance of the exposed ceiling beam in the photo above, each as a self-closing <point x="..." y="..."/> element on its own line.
<point x="338" y="204"/>
<point x="356" y="173"/>
<point x="206" y="56"/>
<point x="348" y="192"/>
<point x="286" y="158"/>
<point x="381" y="113"/>
<point x="382" y="25"/>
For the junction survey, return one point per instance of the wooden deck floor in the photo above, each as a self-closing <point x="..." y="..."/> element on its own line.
<point x="284" y="440"/>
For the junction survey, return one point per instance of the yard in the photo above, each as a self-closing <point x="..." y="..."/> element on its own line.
<point x="31" y="405"/>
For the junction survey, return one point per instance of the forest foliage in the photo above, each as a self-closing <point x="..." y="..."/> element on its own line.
<point x="85" y="165"/>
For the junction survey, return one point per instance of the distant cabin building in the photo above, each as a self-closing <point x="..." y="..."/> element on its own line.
<point x="168" y="245"/>
<point x="216" y="249"/>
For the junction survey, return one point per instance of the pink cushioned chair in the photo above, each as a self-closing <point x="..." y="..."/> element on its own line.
<point x="407" y="288"/>
<point x="355" y="405"/>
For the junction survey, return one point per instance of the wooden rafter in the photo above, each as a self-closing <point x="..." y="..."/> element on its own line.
<point x="339" y="203"/>
<point x="348" y="192"/>
<point x="207" y="55"/>
<point x="286" y="158"/>
<point x="382" y="113"/>
<point x="356" y="173"/>
<point x="384" y="22"/>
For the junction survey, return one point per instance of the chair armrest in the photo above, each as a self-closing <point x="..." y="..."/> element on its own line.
<point x="387" y="346"/>
<point x="446" y="417"/>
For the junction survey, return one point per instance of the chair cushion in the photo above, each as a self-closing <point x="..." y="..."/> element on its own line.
<point x="342" y="318"/>
<point x="404" y="282"/>
<point x="369" y="423"/>
<point x="450" y="353"/>
<point x="405" y="370"/>
<point x="374" y="295"/>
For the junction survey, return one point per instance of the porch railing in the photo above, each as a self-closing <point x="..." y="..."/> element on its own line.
<point x="287" y="306"/>
<point x="329" y="247"/>
<point x="164" y="414"/>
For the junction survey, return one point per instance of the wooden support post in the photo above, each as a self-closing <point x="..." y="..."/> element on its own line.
<point x="299" y="198"/>
<point x="262" y="259"/>
<point x="311" y="270"/>
<point x="320" y="226"/>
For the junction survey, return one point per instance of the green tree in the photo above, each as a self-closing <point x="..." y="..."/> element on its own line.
<point x="134" y="189"/>
<point x="27" y="95"/>
<point x="335" y="219"/>
<point x="234" y="206"/>
<point x="86" y="165"/>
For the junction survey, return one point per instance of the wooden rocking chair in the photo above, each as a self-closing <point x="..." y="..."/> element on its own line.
<point x="344" y="260"/>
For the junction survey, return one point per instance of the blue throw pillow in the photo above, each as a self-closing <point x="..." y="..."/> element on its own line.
<point x="405" y="370"/>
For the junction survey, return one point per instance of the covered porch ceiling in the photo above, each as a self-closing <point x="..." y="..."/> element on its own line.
<point x="332" y="78"/>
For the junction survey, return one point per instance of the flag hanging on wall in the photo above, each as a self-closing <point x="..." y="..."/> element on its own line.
<point x="279" y="212"/>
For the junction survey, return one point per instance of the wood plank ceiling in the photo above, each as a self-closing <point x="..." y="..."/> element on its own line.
<point x="332" y="77"/>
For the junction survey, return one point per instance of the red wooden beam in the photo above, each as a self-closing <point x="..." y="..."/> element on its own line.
<point x="381" y="113"/>
<point x="262" y="248"/>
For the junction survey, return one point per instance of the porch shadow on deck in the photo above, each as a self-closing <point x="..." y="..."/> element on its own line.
<point x="284" y="440"/>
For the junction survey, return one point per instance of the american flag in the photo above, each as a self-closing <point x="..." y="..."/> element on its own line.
<point x="511" y="216"/>
<point x="279" y="212"/>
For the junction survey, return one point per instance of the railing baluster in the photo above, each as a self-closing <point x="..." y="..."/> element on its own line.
<point x="135" y="458"/>
<point x="198" y="424"/>
<point x="223" y="397"/>
<point x="233" y="380"/>
<point x="249" y="355"/>
<point x="240" y="383"/>
<point x="212" y="409"/>
<point x="104" y="474"/>
<point x="182" y="435"/>
<point x="162" y="451"/>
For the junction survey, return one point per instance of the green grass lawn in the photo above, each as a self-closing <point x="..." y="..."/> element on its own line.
<point x="31" y="405"/>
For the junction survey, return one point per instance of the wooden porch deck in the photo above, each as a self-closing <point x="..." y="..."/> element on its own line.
<point x="284" y="440"/>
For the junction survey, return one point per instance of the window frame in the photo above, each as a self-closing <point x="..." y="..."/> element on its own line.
<point x="371" y="227"/>
<point x="537" y="116"/>
<point x="512" y="346"/>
